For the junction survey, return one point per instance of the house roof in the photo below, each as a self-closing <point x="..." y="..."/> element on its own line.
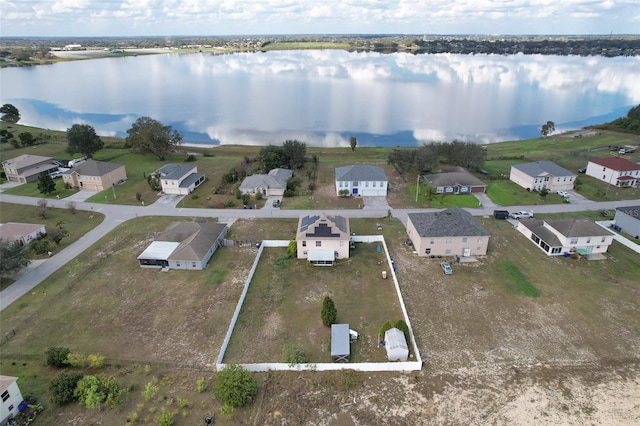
<point x="195" y="238"/>
<point x="159" y="250"/>
<point x="321" y="255"/>
<point x="459" y="177"/>
<point x="340" y="340"/>
<point x="543" y="168"/>
<point x="323" y="226"/>
<point x="94" y="168"/>
<point x="25" y="160"/>
<point x="6" y="381"/>
<point x="12" y="231"/>
<point x="633" y="211"/>
<point x="616" y="163"/>
<point x="360" y="172"/>
<point x="174" y="171"/>
<point x="538" y="227"/>
<point x="394" y="339"/>
<point x="276" y="179"/>
<point x="569" y="228"/>
<point x="452" y="222"/>
<point x="189" y="180"/>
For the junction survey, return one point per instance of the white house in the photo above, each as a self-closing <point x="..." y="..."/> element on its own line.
<point x="180" y="179"/>
<point x="361" y="179"/>
<point x="272" y="184"/>
<point x="322" y="238"/>
<point x="11" y="398"/>
<point x="556" y="237"/>
<point x="542" y="174"/>
<point x="615" y="171"/>
<point x="396" y="345"/>
<point x="628" y="219"/>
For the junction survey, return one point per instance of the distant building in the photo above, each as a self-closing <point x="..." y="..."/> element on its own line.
<point x="615" y="171"/>
<point x="538" y="175"/>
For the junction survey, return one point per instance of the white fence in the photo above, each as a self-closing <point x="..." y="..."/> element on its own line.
<point x="606" y="224"/>
<point x="361" y="366"/>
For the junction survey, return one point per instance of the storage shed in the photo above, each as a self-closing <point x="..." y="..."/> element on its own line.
<point x="396" y="345"/>
<point x="340" y="349"/>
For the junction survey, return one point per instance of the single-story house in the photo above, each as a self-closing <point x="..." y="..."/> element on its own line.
<point x="23" y="232"/>
<point x="26" y="168"/>
<point x="627" y="218"/>
<point x="322" y="238"/>
<point x="273" y="184"/>
<point x="340" y="343"/>
<point x="615" y="171"/>
<point x="537" y="175"/>
<point x="11" y="398"/>
<point x="451" y="232"/>
<point x="95" y="175"/>
<point x="455" y="180"/>
<point x="558" y="236"/>
<point x="396" y="345"/>
<point x="184" y="245"/>
<point x="179" y="179"/>
<point x="361" y="179"/>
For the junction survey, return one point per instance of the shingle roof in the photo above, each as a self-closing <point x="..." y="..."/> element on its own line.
<point x="174" y="171"/>
<point x="543" y="168"/>
<point x="463" y="178"/>
<point x="276" y="179"/>
<point x="12" y="231"/>
<point x="321" y="225"/>
<point x="360" y="172"/>
<point x="570" y="228"/>
<point x="191" y="179"/>
<point x="94" y="168"/>
<point x="616" y="163"/>
<point x="633" y="211"/>
<point x="452" y="222"/>
<point x="195" y="238"/>
<point x="25" y="160"/>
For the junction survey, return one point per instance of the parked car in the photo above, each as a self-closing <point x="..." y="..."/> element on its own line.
<point x="276" y="203"/>
<point x="446" y="267"/>
<point x="582" y="170"/>
<point x="501" y="214"/>
<point x="564" y="194"/>
<point x="55" y="174"/>
<point x="521" y="215"/>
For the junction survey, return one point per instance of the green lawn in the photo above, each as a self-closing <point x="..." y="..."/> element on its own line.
<point x="515" y="280"/>
<point x="507" y="193"/>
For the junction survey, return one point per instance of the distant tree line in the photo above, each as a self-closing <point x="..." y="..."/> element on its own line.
<point x="628" y="124"/>
<point x="428" y="156"/>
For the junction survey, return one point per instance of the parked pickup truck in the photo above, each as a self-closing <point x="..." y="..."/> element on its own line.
<point x="521" y="215"/>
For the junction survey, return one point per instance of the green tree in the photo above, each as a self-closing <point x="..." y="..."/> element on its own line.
<point x="402" y="326"/>
<point x="147" y="135"/>
<point x="82" y="138"/>
<point x="234" y="386"/>
<point x="271" y="157"/>
<point x="544" y="192"/>
<point x="56" y="356"/>
<point x="63" y="386"/>
<point x="293" y="353"/>
<point x="353" y="142"/>
<point x="328" y="313"/>
<point x="292" y="250"/>
<point x="547" y="128"/>
<point x="10" y="114"/>
<point x="13" y="256"/>
<point x="46" y="184"/>
<point x="294" y="153"/>
<point x="57" y="234"/>
<point x="383" y="329"/>
<point x="40" y="246"/>
<point x="27" y="139"/>
<point x="94" y="390"/>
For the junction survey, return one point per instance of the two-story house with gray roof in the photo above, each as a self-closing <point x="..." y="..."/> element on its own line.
<point x="451" y="232"/>
<point x="361" y="179"/>
<point x="272" y="184"/>
<point x="27" y="167"/>
<point x="537" y="175"/>
<point x="180" y="179"/>
<point x="323" y="238"/>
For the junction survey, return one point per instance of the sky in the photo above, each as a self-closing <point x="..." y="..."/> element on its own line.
<point x="123" y="18"/>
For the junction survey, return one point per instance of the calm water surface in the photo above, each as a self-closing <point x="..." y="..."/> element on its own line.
<point x="325" y="97"/>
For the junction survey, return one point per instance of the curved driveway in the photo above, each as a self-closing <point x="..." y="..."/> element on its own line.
<point x="116" y="214"/>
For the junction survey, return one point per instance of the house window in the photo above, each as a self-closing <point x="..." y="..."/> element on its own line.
<point x="318" y="243"/>
<point x="432" y="241"/>
<point x="448" y="251"/>
<point x="193" y="264"/>
<point x="478" y="248"/>
<point x="574" y="241"/>
<point x="11" y="407"/>
<point x="556" y="250"/>
<point x="373" y="184"/>
<point x="355" y="183"/>
<point x="479" y="239"/>
<point x="588" y="240"/>
<point x="366" y="184"/>
<point x="448" y="241"/>
<point x="304" y="244"/>
<point x="5" y="395"/>
<point x="427" y="251"/>
<point x="464" y="239"/>
<point x="604" y="169"/>
<point x="177" y="263"/>
<point x="604" y="177"/>
<point x="602" y="240"/>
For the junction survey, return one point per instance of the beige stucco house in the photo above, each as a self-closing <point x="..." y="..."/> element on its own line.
<point x="23" y="232"/>
<point x="26" y="168"/>
<point x="322" y="238"/>
<point x="95" y="175"/>
<point x="452" y="232"/>
<point x="537" y="175"/>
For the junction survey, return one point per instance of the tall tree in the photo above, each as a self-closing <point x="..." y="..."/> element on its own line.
<point x="46" y="185"/>
<point x="13" y="256"/>
<point x="26" y="139"/>
<point x="353" y="142"/>
<point x="295" y="153"/>
<point x="547" y="128"/>
<point x="82" y="138"/>
<point x="147" y="135"/>
<point x="328" y="313"/>
<point x="10" y="114"/>
<point x="271" y="157"/>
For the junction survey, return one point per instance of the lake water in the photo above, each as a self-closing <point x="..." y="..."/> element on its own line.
<point x="325" y="97"/>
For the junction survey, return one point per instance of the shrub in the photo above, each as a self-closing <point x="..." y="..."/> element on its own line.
<point x="201" y="385"/>
<point x="150" y="391"/>
<point x="259" y="196"/>
<point x="71" y="205"/>
<point x="402" y="326"/>
<point x="246" y="199"/>
<point x="229" y="203"/>
<point x="194" y="196"/>
<point x="93" y="391"/>
<point x="329" y="313"/>
<point x="234" y="386"/>
<point x="190" y="158"/>
<point x="293" y="353"/>
<point x="138" y="196"/>
<point x="386" y="326"/>
<point x="292" y="249"/>
<point x="77" y="360"/>
<point x="165" y="417"/>
<point x="62" y="387"/>
<point x="57" y="356"/>
<point x="95" y="361"/>
<point x="289" y="193"/>
<point x="40" y="246"/>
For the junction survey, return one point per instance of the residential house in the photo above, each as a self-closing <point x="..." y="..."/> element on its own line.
<point x="455" y="180"/>
<point x="272" y="184"/>
<point x="537" y="175"/>
<point x="95" y="175"/>
<point x="11" y="398"/>
<point x="451" y="232"/>
<point x="180" y="179"/>
<point x="628" y="219"/>
<point x="184" y="245"/>
<point x="615" y="171"/>
<point x="23" y="232"/>
<point x="558" y="236"/>
<point x="26" y="168"/>
<point x="361" y="179"/>
<point x="322" y="238"/>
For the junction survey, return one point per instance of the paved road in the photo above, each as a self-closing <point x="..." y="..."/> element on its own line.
<point x="116" y="214"/>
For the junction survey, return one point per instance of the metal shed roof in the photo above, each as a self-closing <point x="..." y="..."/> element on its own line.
<point x="340" y="340"/>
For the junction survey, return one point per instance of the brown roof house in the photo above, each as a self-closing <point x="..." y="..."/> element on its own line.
<point x="23" y="232"/>
<point x="455" y="180"/>
<point x="184" y="245"/>
<point x="451" y="232"/>
<point x="27" y="167"/>
<point x="95" y="175"/>
<point x="557" y="237"/>
<point x="323" y="238"/>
